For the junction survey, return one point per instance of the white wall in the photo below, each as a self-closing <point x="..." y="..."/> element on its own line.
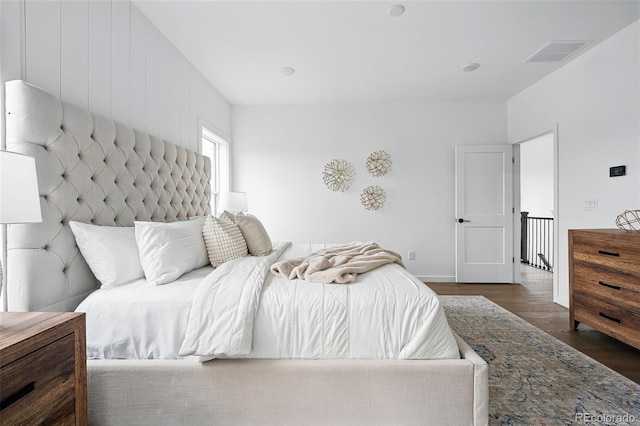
<point x="107" y="57"/>
<point x="595" y="101"/>
<point x="279" y="155"/>
<point x="536" y="176"/>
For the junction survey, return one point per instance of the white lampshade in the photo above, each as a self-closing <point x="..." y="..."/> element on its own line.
<point x="19" y="196"/>
<point x="233" y="202"/>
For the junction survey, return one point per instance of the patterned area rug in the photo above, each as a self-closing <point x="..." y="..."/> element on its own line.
<point x="535" y="379"/>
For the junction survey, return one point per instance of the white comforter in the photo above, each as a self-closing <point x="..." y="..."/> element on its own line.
<point x="386" y="313"/>
<point x="240" y="310"/>
<point x="225" y="305"/>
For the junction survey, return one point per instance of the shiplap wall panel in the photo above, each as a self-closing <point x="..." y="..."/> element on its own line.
<point x="74" y="52"/>
<point x="120" y="58"/>
<point x="138" y="73"/>
<point x="42" y="39"/>
<point x="194" y="94"/>
<point x="100" y="57"/>
<point x="220" y="110"/>
<point x="11" y="40"/>
<point x="164" y="71"/>
<point x="153" y="78"/>
<point x="11" y="48"/>
<point x="185" y="100"/>
<point x="211" y="105"/>
<point x="203" y="92"/>
<point x="176" y="104"/>
<point x="204" y="87"/>
<point x="108" y="57"/>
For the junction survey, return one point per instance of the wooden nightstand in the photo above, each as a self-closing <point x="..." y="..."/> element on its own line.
<point x="43" y="368"/>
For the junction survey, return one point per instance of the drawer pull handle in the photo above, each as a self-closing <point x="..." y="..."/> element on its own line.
<point x="615" y="287"/>
<point x="608" y="253"/>
<point x="18" y="395"/>
<point x="610" y="318"/>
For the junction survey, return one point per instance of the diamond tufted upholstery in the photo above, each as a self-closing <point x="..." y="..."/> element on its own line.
<point x="90" y="169"/>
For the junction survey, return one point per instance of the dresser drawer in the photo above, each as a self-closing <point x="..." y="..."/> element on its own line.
<point x="607" y="284"/>
<point x="608" y="252"/>
<point x="613" y="320"/>
<point x="40" y="387"/>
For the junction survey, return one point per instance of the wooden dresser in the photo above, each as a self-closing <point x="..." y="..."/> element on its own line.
<point x="43" y="368"/>
<point x="604" y="282"/>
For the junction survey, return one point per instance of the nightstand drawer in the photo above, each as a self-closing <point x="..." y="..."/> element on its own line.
<point x="608" y="285"/>
<point x="39" y="387"/>
<point x="613" y="254"/>
<point x="612" y="320"/>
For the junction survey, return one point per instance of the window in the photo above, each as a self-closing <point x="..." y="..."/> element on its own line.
<point x="217" y="149"/>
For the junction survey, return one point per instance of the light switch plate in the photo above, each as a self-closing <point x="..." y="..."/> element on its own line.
<point x="590" y="205"/>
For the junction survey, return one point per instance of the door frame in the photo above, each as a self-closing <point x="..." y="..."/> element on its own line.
<point x="556" y="212"/>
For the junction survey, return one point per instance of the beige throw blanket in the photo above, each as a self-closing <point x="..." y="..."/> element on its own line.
<point x="339" y="265"/>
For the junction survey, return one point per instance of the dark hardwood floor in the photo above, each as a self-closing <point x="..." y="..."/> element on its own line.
<point x="532" y="300"/>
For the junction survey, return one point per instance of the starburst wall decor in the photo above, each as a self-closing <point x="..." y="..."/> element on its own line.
<point x="379" y="163"/>
<point x="338" y="175"/>
<point x="372" y="197"/>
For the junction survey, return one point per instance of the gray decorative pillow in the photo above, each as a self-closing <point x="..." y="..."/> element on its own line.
<point x="257" y="238"/>
<point x="223" y="239"/>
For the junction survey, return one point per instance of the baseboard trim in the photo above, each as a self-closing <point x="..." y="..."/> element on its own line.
<point x="436" y="278"/>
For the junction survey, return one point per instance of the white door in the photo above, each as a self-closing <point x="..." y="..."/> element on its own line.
<point x="484" y="214"/>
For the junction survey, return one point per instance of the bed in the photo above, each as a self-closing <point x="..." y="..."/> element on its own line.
<point x="99" y="172"/>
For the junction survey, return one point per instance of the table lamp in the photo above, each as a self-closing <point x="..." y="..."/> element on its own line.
<point x="19" y="199"/>
<point x="233" y="202"/>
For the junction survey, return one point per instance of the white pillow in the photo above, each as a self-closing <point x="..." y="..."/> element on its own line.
<point x="110" y="251"/>
<point x="168" y="250"/>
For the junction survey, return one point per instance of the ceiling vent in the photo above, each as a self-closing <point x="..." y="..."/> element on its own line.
<point x="556" y="51"/>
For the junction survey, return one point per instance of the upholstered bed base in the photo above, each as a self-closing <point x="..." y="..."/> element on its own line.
<point x="288" y="392"/>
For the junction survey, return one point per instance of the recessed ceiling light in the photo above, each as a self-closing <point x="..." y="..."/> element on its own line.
<point x="396" y="10"/>
<point x="287" y="71"/>
<point x="470" y="67"/>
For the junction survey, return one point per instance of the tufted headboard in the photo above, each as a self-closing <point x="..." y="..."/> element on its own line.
<point x="94" y="170"/>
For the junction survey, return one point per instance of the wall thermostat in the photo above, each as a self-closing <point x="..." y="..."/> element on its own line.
<point x="617" y="171"/>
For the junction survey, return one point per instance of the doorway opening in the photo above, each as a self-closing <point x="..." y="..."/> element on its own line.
<point x="537" y="210"/>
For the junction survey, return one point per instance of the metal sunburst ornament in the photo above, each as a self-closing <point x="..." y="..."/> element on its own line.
<point x="379" y="163"/>
<point x="372" y="197"/>
<point x="629" y="220"/>
<point x="338" y="175"/>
